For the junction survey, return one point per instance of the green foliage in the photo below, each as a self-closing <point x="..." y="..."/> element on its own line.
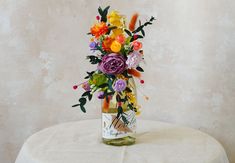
<point x="98" y="79"/>
<point x="88" y="94"/>
<point x="118" y="98"/>
<point x="103" y="85"/>
<point x="83" y="108"/>
<point x="82" y="100"/>
<point x="130" y="106"/>
<point x="128" y="89"/>
<point x="139" y="69"/>
<point x="125" y="73"/>
<point x="93" y="59"/>
<point x="89" y="74"/>
<point x="120" y="111"/>
<point x="110" y="29"/>
<point x="141" y="27"/>
<point x="135" y="37"/>
<point x="103" y="13"/>
<point x="125" y="120"/>
<point x="128" y="32"/>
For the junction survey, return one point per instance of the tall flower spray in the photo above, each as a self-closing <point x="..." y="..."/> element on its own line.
<point x="118" y="54"/>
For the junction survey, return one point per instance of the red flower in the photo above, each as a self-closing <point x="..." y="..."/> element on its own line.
<point x="107" y="43"/>
<point x="99" y="29"/>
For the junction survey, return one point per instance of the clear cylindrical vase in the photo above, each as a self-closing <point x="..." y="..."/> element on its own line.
<point x="119" y="129"/>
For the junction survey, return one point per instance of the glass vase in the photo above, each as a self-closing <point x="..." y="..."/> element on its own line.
<point x="119" y="130"/>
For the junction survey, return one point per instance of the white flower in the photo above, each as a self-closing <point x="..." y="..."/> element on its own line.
<point x="133" y="59"/>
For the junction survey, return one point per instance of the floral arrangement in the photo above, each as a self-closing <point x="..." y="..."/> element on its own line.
<point x="117" y="51"/>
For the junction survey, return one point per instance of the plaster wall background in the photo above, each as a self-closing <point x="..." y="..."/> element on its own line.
<point x="189" y="75"/>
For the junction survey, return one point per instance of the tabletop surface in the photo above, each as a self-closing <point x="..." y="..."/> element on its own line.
<point x="157" y="142"/>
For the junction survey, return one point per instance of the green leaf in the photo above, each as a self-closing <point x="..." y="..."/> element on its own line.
<point x="135" y="37"/>
<point x="147" y="23"/>
<point x="83" y="108"/>
<point x="139" y="69"/>
<point x="82" y="101"/>
<point x="123" y="100"/>
<point x="138" y="29"/>
<point x="90" y="73"/>
<point x="100" y="11"/>
<point x="93" y="59"/>
<point x="125" y="120"/>
<point x="104" y="14"/>
<point x="120" y="111"/>
<point x="89" y="97"/>
<point x="110" y="93"/>
<point x="142" y="31"/>
<point x="110" y="29"/>
<point x="118" y="98"/>
<point x="128" y="89"/>
<point x="103" y="85"/>
<point x="86" y="93"/>
<point x="107" y="98"/>
<point x="87" y="77"/>
<point x="128" y="32"/>
<point x="75" y="105"/>
<point x="152" y="18"/>
<point x="126" y="74"/>
<point x="130" y="106"/>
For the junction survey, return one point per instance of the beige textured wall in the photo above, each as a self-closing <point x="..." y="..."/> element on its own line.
<point x="190" y="76"/>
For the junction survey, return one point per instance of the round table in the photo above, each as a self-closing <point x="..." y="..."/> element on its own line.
<point x="157" y="142"/>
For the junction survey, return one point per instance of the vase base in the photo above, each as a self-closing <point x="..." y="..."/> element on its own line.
<point x="128" y="140"/>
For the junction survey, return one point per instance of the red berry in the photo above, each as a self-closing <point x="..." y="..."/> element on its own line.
<point x="75" y="87"/>
<point x="142" y="81"/>
<point x="97" y="17"/>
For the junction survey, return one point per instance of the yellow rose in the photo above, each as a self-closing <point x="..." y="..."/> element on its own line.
<point x="115" y="19"/>
<point x="117" y="32"/>
<point x="115" y="46"/>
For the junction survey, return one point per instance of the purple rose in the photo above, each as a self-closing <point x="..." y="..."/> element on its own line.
<point x="112" y="64"/>
<point x="119" y="85"/>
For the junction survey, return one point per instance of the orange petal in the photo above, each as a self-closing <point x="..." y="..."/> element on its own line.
<point x="133" y="22"/>
<point x="106" y="104"/>
<point x="134" y="72"/>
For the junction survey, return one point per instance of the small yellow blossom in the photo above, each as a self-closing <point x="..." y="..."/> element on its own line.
<point x="120" y="76"/>
<point x="115" y="19"/>
<point x="116" y="32"/>
<point x="131" y="97"/>
<point x="115" y="46"/>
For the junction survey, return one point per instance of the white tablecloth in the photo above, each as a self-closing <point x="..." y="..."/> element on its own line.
<point x="157" y="142"/>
